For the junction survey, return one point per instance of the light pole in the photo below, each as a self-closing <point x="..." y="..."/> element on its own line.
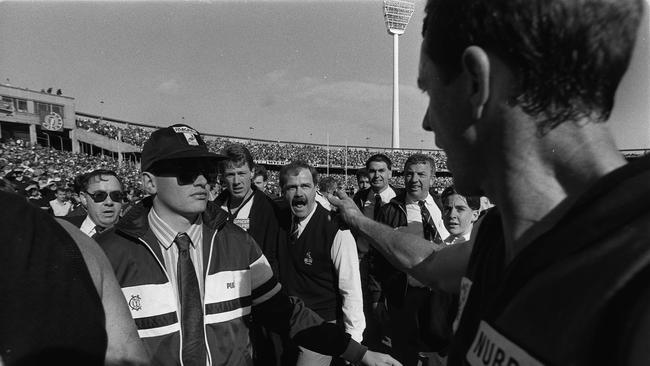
<point x="397" y="14"/>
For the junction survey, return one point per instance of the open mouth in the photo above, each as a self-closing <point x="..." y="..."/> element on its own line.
<point x="299" y="203"/>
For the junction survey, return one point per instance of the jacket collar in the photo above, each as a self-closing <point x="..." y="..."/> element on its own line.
<point x="136" y="224"/>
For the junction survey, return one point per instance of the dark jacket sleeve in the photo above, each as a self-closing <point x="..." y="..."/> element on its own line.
<point x="289" y="316"/>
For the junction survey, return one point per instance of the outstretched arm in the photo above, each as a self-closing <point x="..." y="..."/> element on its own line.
<point x="416" y="256"/>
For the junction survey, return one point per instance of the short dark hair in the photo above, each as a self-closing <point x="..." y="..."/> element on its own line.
<point x="379" y="158"/>
<point x="474" y="202"/>
<point x="82" y="181"/>
<point x="421" y="159"/>
<point x="236" y="153"/>
<point x="362" y="172"/>
<point x="568" y="56"/>
<point x="327" y="184"/>
<point x="293" y="168"/>
<point x="260" y="170"/>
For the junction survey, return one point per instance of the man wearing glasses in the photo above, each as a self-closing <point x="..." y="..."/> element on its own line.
<point x="100" y="192"/>
<point x="193" y="280"/>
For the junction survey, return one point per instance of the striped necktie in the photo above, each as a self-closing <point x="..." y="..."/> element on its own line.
<point x="430" y="232"/>
<point x="193" y="348"/>
<point x="293" y="236"/>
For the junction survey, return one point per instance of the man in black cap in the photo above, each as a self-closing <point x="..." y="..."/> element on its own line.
<point x="193" y="279"/>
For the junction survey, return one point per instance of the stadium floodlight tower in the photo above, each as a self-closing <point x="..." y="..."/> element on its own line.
<point x="397" y="14"/>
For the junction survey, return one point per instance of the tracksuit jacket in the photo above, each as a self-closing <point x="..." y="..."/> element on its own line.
<point x="239" y="287"/>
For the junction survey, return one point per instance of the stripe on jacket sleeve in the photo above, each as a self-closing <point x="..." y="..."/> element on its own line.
<point x="150" y="300"/>
<point x="153" y="307"/>
<point x="264" y="283"/>
<point x="227" y="310"/>
<point x="227" y="285"/>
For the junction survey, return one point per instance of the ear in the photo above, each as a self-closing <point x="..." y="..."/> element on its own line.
<point x="149" y="183"/>
<point x="390" y="173"/>
<point x="477" y="65"/>
<point x="83" y="199"/>
<point x="475" y="214"/>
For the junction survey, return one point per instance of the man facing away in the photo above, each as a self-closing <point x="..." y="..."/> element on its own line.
<point x="193" y="279"/>
<point x="100" y="192"/>
<point x="318" y="262"/>
<point x="519" y="94"/>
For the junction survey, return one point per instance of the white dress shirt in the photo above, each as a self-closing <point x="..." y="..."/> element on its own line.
<point x="345" y="259"/>
<point x="166" y="235"/>
<point x="88" y="227"/>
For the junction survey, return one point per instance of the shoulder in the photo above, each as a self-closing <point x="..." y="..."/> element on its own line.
<point x="75" y="220"/>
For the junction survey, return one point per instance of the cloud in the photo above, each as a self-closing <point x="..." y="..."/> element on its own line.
<point x="171" y="87"/>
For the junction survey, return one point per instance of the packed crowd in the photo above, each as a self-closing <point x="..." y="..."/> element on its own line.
<point x="278" y="153"/>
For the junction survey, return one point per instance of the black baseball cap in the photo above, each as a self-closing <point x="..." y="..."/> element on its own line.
<point x="175" y="142"/>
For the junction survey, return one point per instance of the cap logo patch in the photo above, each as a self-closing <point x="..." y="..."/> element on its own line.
<point x="189" y="133"/>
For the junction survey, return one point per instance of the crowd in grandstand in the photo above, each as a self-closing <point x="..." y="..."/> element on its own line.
<point x="272" y="151"/>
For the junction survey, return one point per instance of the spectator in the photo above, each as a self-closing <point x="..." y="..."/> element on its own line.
<point x="60" y="206"/>
<point x="101" y="195"/>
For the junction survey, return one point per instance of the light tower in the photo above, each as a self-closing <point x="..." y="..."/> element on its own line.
<point x="397" y="14"/>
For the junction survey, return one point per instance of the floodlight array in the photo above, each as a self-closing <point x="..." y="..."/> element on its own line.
<point x="397" y="14"/>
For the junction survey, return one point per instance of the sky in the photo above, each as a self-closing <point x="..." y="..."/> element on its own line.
<point x="307" y="71"/>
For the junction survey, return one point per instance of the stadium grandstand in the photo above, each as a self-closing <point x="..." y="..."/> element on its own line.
<point x="42" y="132"/>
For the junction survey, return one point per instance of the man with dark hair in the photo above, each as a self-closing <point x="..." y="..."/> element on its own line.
<point x="318" y="262"/>
<point x="260" y="178"/>
<point x="363" y="179"/>
<point x="409" y="302"/>
<point x="194" y="280"/>
<point x="519" y="91"/>
<point x="369" y="201"/>
<point x="459" y="213"/>
<point x="100" y="193"/>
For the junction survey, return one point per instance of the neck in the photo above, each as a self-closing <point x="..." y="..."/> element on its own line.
<point x="378" y="191"/>
<point x="537" y="178"/>
<point x="411" y="198"/>
<point x="237" y="201"/>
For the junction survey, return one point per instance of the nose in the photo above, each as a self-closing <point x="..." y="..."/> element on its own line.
<point x="425" y="121"/>
<point x="201" y="180"/>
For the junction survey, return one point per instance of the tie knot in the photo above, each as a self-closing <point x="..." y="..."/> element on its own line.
<point x="422" y="203"/>
<point x="183" y="241"/>
<point x="99" y="229"/>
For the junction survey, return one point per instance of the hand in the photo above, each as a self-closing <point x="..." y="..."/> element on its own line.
<point x="378" y="359"/>
<point x="344" y="205"/>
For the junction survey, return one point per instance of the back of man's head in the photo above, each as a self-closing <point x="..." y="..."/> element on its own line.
<point x="568" y="56"/>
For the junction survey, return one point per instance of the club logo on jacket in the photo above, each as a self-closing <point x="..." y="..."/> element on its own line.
<point x="308" y="260"/>
<point x="134" y="303"/>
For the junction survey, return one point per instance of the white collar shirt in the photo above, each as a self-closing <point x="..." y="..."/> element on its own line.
<point x="166" y="235"/>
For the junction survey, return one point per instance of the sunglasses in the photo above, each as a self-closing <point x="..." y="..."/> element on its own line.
<point x="100" y="196"/>
<point x="186" y="173"/>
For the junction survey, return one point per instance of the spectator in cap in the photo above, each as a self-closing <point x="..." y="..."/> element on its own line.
<point x="100" y="193"/>
<point x="192" y="277"/>
<point x="35" y="198"/>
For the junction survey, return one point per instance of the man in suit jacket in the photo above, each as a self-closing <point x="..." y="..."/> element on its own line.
<point x="100" y="192"/>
